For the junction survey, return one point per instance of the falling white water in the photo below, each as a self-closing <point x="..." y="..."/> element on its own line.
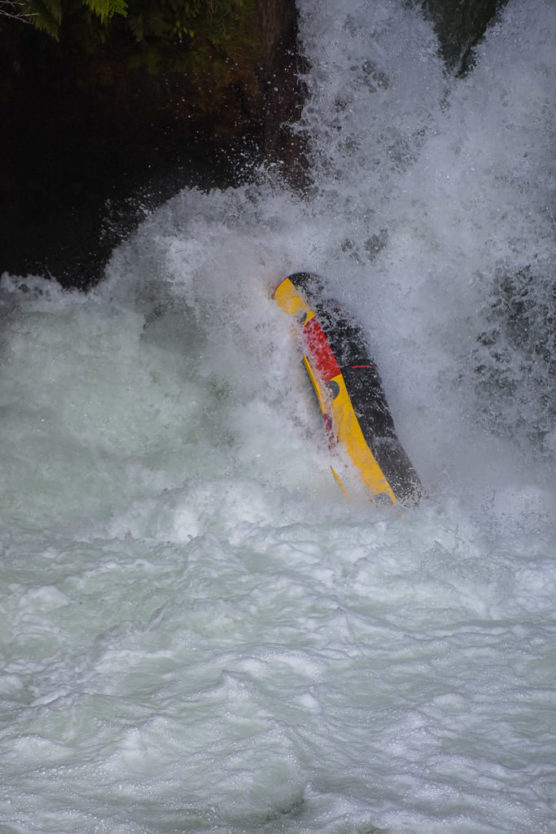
<point x="199" y="633"/>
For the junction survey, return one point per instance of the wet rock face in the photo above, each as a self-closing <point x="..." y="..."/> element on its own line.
<point x="460" y="24"/>
<point x="283" y="91"/>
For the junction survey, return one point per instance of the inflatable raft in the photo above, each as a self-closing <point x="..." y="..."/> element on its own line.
<point x="349" y="391"/>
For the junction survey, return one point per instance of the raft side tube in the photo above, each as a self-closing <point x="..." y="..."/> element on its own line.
<point x="349" y="389"/>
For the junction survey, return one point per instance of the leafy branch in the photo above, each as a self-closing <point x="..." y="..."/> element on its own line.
<point x="14" y="9"/>
<point x="47" y="15"/>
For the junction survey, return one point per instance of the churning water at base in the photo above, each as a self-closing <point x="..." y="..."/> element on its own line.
<point x="199" y="633"/>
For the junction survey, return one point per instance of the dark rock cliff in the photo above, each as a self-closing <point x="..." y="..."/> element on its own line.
<point x="92" y="133"/>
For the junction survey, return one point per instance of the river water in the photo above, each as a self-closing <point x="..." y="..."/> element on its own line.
<point x="199" y="632"/>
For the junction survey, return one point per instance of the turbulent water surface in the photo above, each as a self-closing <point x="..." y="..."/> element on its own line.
<point x="199" y="632"/>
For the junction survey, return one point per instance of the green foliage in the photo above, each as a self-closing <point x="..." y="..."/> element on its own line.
<point x="203" y="38"/>
<point x="166" y="21"/>
<point x="47" y="15"/>
<point x="106" y="8"/>
<point x="198" y="36"/>
<point x="208" y="49"/>
<point x="177" y="20"/>
<point x="44" y="14"/>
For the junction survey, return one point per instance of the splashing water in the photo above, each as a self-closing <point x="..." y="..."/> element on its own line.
<point x="199" y="633"/>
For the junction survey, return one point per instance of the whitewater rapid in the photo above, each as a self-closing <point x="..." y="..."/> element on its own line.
<point x="198" y="631"/>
